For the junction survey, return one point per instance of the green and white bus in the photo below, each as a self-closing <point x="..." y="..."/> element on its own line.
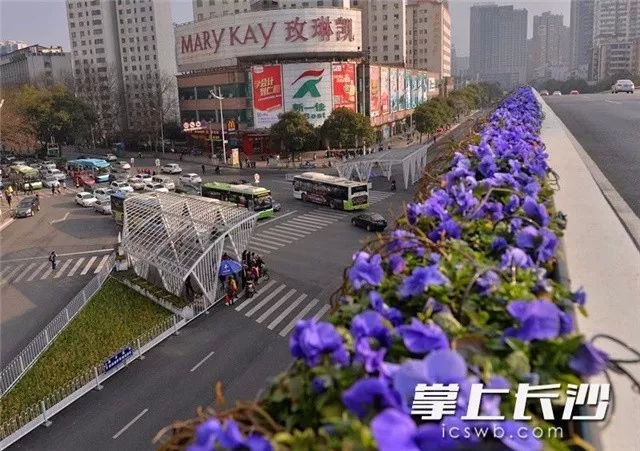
<point x="335" y="192"/>
<point x="252" y="197"/>
<point x="22" y="176"/>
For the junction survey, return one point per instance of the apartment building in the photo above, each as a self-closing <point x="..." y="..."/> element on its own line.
<point x="205" y="9"/>
<point x="124" y="62"/>
<point x="8" y="46"/>
<point x="35" y="65"/>
<point x="551" y="47"/>
<point x="386" y="22"/>
<point x="581" y="38"/>
<point x="429" y="36"/>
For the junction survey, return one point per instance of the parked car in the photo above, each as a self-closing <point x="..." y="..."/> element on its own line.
<point x="27" y="207"/>
<point x="51" y="181"/>
<point x="171" y="168"/>
<point x="152" y="186"/>
<point x="144" y="177"/>
<point x="370" y="221"/>
<point x="102" y="206"/>
<point x="191" y="177"/>
<point x="124" y="165"/>
<point x="186" y="188"/>
<point x="307" y="165"/>
<point x="623" y="86"/>
<point x="574" y="92"/>
<point x="85" y="199"/>
<point x="103" y="193"/>
<point x="110" y="157"/>
<point x="136" y="183"/>
<point x="120" y="185"/>
<point x="164" y="181"/>
<point x="544" y="92"/>
<point x="57" y="173"/>
<point x="276" y="206"/>
<point x="557" y="93"/>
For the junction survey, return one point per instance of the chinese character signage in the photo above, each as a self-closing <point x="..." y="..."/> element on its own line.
<point x="267" y="95"/>
<point x="393" y="88"/>
<point x="374" y="91"/>
<point x="344" y="85"/>
<point x="384" y="90"/>
<point x="307" y="89"/>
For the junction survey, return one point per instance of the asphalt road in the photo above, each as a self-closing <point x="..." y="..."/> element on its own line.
<point x="607" y="126"/>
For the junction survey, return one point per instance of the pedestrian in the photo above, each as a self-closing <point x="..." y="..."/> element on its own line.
<point x="37" y="202"/>
<point x="58" y="189"/>
<point x="434" y="139"/>
<point x="203" y="171"/>
<point x="181" y="157"/>
<point x="9" y="198"/>
<point x="245" y="253"/>
<point x="52" y="259"/>
<point x="30" y="188"/>
<point x="53" y="189"/>
<point x="64" y="185"/>
<point x="189" y="287"/>
<point x="154" y="173"/>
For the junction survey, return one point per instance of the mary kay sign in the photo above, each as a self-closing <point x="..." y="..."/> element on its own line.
<point x="219" y="41"/>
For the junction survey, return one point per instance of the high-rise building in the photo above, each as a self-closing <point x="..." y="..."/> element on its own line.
<point x="616" y="37"/>
<point x="386" y="22"/>
<point x="124" y="62"/>
<point x="550" y="42"/>
<point x="35" y="65"/>
<point x="581" y="37"/>
<point x="205" y="9"/>
<point x="498" y="44"/>
<point x="429" y="36"/>
<point x="11" y="46"/>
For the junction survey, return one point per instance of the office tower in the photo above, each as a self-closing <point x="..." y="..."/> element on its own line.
<point x="429" y="36"/>
<point x="204" y="9"/>
<point x="551" y="47"/>
<point x="35" y="65"/>
<point x="581" y="38"/>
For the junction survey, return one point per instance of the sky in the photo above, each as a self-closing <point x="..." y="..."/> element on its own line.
<point x="44" y="21"/>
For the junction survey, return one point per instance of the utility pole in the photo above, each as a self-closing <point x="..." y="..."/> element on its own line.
<point x="218" y="96"/>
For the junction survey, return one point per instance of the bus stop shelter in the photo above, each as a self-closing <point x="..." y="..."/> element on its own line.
<point x="413" y="161"/>
<point x="172" y="237"/>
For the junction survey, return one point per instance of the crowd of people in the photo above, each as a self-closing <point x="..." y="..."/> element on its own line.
<point x="253" y="269"/>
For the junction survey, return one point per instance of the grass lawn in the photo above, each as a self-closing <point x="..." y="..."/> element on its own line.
<point x="161" y="293"/>
<point x="113" y="317"/>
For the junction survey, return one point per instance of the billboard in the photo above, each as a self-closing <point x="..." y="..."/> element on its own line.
<point x="266" y="84"/>
<point x="408" y="88"/>
<point x="393" y="88"/>
<point x="421" y="89"/>
<point x="402" y="91"/>
<point x="374" y="91"/>
<point x="307" y="89"/>
<point x="385" y="99"/>
<point x="344" y="85"/>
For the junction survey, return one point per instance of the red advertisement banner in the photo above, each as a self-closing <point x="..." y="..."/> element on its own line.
<point x="344" y="85"/>
<point x="374" y="91"/>
<point x="267" y="95"/>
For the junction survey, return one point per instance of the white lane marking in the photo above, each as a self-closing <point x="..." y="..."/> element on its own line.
<point x="613" y="101"/>
<point x="277" y="235"/>
<point x="101" y="264"/>
<point x="88" y="266"/>
<point x="299" y="316"/>
<point x="130" y="423"/>
<point x="284" y="231"/>
<point x="301" y="225"/>
<point x="282" y="315"/>
<point x="46" y="273"/>
<point x="24" y="273"/>
<point x="317" y="219"/>
<point x="273" y="237"/>
<point x="328" y="214"/>
<point x="96" y="251"/>
<point x="55" y="221"/>
<point x="60" y="271"/>
<point x="254" y="243"/>
<point x="75" y="267"/>
<point x="262" y="224"/>
<point x="197" y="365"/>
<point x="6" y="278"/>
<point x="250" y="300"/>
<point x="321" y="312"/>
<point x="38" y="269"/>
<point x="275" y="306"/>
<point x="265" y="300"/>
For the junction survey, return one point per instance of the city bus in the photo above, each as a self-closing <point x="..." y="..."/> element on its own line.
<point x="248" y="196"/>
<point x="96" y="168"/>
<point x="22" y="175"/>
<point x="335" y="192"/>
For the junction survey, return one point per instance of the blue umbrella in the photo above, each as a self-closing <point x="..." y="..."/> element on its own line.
<point x="229" y="267"/>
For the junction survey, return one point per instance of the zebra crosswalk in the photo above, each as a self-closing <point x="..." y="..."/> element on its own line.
<point x="26" y="272"/>
<point x="378" y="196"/>
<point x="280" y="307"/>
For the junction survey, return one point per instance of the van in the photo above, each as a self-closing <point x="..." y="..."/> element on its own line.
<point x="166" y="181"/>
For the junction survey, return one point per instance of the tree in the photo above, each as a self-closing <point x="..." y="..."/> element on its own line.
<point x="346" y="128"/>
<point x="16" y="132"/>
<point x="293" y="132"/>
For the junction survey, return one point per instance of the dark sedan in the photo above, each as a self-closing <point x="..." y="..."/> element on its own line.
<point x="370" y="221"/>
<point x="27" y="207"/>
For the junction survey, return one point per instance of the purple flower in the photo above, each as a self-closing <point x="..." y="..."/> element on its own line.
<point x="311" y="340"/>
<point x="488" y="282"/>
<point x="393" y="315"/>
<point x="397" y="264"/>
<point x="394" y="430"/>
<point x="518" y="436"/>
<point x="213" y="434"/>
<point x="371" y="360"/>
<point x="487" y="166"/>
<point x="579" y="297"/>
<point x="318" y="385"/>
<point x="421" y="338"/>
<point x="366" y="269"/>
<point x="589" y="360"/>
<point x="446" y="229"/>
<point x="499" y="244"/>
<point x="420" y="279"/>
<point x="206" y="435"/>
<point x="539" y="320"/>
<point x="514" y="256"/>
<point x="401" y="240"/>
<point x="542" y="243"/>
<point x="369" y="394"/>
<point x="436" y="307"/>
<point x="491" y="403"/>
<point x="370" y="324"/>
<point x="514" y="203"/>
<point x="535" y="211"/>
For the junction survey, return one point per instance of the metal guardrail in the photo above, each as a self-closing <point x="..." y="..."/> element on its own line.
<point x="12" y="373"/>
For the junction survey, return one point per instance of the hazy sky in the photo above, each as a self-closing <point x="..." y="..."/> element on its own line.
<point x="44" y="21"/>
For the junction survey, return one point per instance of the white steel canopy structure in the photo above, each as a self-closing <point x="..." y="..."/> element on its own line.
<point x="175" y="236"/>
<point x="413" y="162"/>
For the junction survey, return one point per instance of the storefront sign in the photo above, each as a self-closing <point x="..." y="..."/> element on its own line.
<point x="267" y="95"/>
<point x="384" y="90"/>
<point x="393" y="88"/>
<point x="344" y="85"/>
<point x="374" y="91"/>
<point x="307" y="89"/>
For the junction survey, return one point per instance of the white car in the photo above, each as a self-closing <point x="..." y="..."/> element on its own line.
<point x="136" y="183"/>
<point x="103" y="193"/>
<point x="623" y="86"/>
<point x="51" y="181"/>
<point x="165" y="181"/>
<point x="85" y="199"/>
<point x="124" y="165"/>
<point x="122" y="186"/>
<point x="151" y="186"/>
<point x="171" y="168"/>
<point x="557" y="93"/>
<point x="57" y="173"/>
<point x="110" y="157"/>
<point x="190" y="178"/>
<point x="102" y="206"/>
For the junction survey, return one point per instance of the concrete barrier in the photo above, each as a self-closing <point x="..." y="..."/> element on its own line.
<point x="603" y="258"/>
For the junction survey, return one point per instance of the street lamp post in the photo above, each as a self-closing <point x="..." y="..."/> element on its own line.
<point x="219" y="97"/>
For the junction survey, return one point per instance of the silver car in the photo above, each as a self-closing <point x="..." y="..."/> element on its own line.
<point x="623" y="86"/>
<point x="103" y="206"/>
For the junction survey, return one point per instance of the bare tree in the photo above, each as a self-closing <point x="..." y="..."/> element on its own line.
<point x="16" y="133"/>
